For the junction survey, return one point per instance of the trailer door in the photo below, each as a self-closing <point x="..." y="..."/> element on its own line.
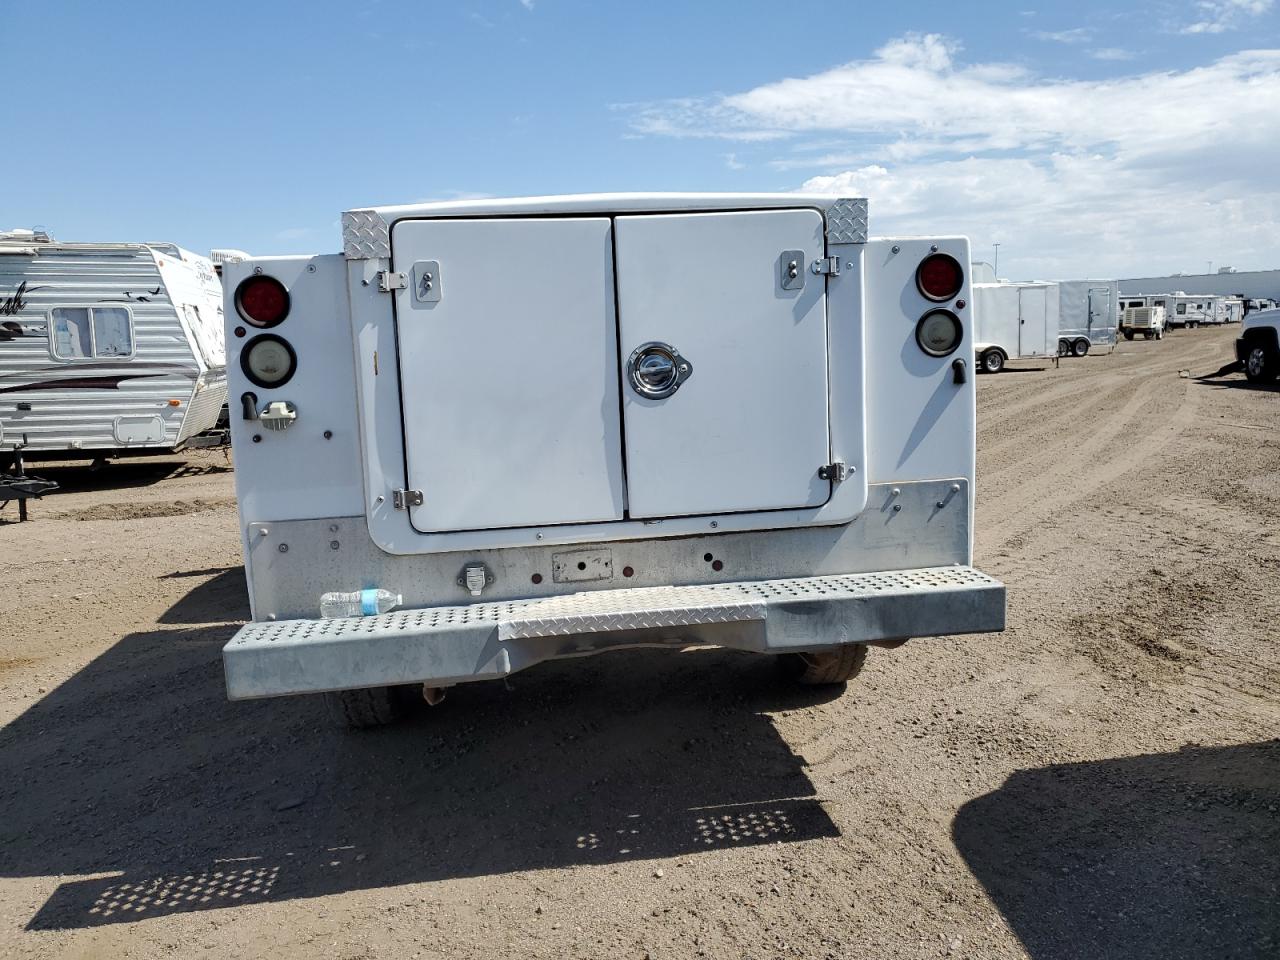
<point x="724" y="354"/>
<point x="1033" y="321"/>
<point x="509" y="371"/>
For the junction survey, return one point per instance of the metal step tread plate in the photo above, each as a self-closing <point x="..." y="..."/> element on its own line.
<point x="481" y="640"/>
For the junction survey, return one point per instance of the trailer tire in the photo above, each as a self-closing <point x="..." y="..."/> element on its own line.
<point x="1080" y="348"/>
<point x="993" y="361"/>
<point x="1128" y="334"/>
<point x="1064" y="348"/>
<point x="826" y="667"/>
<point x="1147" y="335"/>
<point x="371" y="707"/>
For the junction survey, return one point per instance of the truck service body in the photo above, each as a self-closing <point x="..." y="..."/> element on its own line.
<point x="562" y="425"/>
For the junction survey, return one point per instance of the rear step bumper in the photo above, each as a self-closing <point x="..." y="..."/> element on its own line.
<point x="446" y="645"/>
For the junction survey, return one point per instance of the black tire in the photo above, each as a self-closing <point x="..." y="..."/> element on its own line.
<point x="1128" y="334"/>
<point x="1080" y="348"/>
<point x="1260" y="364"/>
<point x="993" y="361"/>
<point x="828" y="667"/>
<point x="1064" y="348"/>
<point x="1147" y="335"/>
<point x="1159" y="334"/>
<point x="372" y="707"/>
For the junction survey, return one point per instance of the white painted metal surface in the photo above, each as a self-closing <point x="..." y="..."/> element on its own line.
<point x="748" y="430"/>
<point x="1089" y="310"/>
<point x="510" y="377"/>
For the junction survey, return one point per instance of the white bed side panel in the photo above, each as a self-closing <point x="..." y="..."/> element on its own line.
<point x="920" y="423"/>
<point x="299" y="473"/>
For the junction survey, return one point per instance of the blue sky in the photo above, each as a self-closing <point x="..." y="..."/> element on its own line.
<point x="1090" y="138"/>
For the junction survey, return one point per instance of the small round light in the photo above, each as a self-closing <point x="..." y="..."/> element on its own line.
<point x="268" y="360"/>
<point x="262" y="301"/>
<point x="939" y="333"/>
<point x="939" y="277"/>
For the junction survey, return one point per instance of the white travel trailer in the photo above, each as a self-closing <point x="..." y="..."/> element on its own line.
<point x="1014" y="321"/>
<point x="499" y="432"/>
<point x="1230" y="309"/>
<point x="1183" y="309"/>
<point x="1088" y="316"/>
<point x="106" y="349"/>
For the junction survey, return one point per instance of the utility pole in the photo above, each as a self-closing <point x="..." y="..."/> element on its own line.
<point x="1210" y="263"/>
<point x="996" y="266"/>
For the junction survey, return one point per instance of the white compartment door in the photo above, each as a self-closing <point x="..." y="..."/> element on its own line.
<point x="509" y="372"/>
<point x="747" y="429"/>
<point x="1033" y="320"/>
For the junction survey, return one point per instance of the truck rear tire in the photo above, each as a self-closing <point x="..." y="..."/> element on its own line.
<point x="1080" y="348"/>
<point x="993" y="361"/>
<point x="1260" y="364"/>
<point x="372" y="707"/>
<point x="827" y="667"/>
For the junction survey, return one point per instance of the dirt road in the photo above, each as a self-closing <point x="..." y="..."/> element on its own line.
<point x="1101" y="780"/>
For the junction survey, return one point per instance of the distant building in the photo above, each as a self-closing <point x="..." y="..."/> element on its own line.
<point x="1250" y="284"/>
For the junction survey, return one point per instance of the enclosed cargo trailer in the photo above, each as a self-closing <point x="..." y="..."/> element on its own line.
<point x="1014" y="321"/>
<point x="1088" y="316"/>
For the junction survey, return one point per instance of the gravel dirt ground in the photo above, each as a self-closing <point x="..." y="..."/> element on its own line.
<point x="1102" y="780"/>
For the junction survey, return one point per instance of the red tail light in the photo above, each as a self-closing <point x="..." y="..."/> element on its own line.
<point x="939" y="277"/>
<point x="262" y="301"/>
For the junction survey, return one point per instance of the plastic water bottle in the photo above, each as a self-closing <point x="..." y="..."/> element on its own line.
<point x="359" y="603"/>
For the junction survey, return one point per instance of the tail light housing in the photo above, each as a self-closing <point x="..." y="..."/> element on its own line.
<point x="939" y="333"/>
<point x="939" y="277"/>
<point x="262" y="301"/>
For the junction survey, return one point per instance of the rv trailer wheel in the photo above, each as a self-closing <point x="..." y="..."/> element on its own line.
<point x="373" y="707"/>
<point x="993" y="361"/>
<point x="828" y="667"/>
<point x="1080" y="348"/>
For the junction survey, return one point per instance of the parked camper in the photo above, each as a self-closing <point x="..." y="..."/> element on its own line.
<point x="542" y="428"/>
<point x="1088" y="316"/>
<point x="1258" y="347"/>
<point x="1230" y="309"/>
<point x="1256" y="303"/>
<point x="1184" y="309"/>
<point x="1143" y="315"/>
<point x="106" y="349"/>
<point x="1014" y="321"/>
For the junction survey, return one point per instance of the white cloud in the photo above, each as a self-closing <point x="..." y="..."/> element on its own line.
<point x="1112" y="53"/>
<point x="733" y="163"/>
<point x="527" y="4"/>
<point x="1222" y="15"/>
<point x="1155" y="171"/>
<point x="1078" y="35"/>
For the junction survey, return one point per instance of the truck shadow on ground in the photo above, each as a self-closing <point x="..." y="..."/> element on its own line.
<point x="138" y="767"/>
<point x="1158" y="856"/>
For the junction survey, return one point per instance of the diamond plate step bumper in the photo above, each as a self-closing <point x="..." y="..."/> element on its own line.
<point x="445" y="645"/>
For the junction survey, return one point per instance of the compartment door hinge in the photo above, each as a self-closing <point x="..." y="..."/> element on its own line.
<point x="835" y="472"/>
<point x="826" y="265"/>
<point x="404" y="499"/>
<point x="389" y="280"/>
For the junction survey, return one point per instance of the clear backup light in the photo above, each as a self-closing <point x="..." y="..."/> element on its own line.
<point x="939" y="333"/>
<point x="268" y="360"/>
<point x="939" y="277"/>
<point x="262" y="301"/>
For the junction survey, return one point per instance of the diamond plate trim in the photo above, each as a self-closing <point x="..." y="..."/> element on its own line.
<point x="604" y="611"/>
<point x="847" y="221"/>
<point x="365" y="235"/>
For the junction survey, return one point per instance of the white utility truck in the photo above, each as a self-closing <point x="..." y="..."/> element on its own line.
<point x="1258" y="346"/>
<point x="1014" y="321"/>
<point x="548" y="427"/>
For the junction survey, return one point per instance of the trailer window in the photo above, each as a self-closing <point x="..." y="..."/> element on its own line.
<point x="1182" y="309"/>
<point x="112" y="332"/>
<point x="71" y="338"/>
<point x="83" y="333"/>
